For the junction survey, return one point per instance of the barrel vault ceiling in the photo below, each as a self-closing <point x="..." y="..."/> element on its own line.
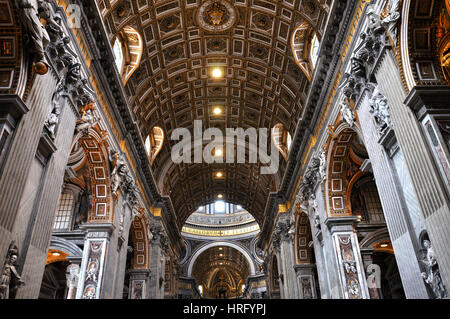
<point x="172" y="87"/>
<point x="220" y="258"/>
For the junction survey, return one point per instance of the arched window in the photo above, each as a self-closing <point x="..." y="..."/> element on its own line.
<point x="64" y="212"/>
<point x="127" y="50"/>
<point x="305" y="48"/>
<point x="281" y="139"/>
<point x="314" y="50"/>
<point x="118" y="55"/>
<point x="154" y="142"/>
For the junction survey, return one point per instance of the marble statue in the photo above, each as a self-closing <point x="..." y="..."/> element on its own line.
<point x="52" y="121"/>
<point x="312" y="204"/>
<point x="347" y="114"/>
<point x="119" y="170"/>
<point x="86" y="122"/>
<point x="10" y="277"/>
<point x="390" y="22"/>
<point x="432" y="274"/>
<point x="380" y="110"/>
<point x="323" y="165"/>
<point x="38" y="38"/>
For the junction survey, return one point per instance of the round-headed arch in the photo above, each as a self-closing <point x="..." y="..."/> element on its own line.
<point x="243" y="251"/>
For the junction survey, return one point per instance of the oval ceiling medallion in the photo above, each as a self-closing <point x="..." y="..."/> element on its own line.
<point x="216" y="15"/>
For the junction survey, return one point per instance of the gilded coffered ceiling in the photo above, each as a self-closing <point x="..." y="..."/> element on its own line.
<point x="262" y="85"/>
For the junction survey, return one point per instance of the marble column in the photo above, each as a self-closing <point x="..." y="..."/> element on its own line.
<point x="139" y="282"/>
<point x="353" y="283"/>
<point x="93" y="266"/>
<point x="306" y="281"/>
<point x="157" y="261"/>
<point x="284" y="248"/>
<point x="72" y="276"/>
<point x="397" y="196"/>
<point x="432" y="194"/>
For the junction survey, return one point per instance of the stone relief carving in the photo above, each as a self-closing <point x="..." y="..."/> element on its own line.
<point x="11" y="279"/>
<point x="347" y="114"/>
<point x="390" y="22"/>
<point x="380" y="110"/>
<point x="306" y="287"/>
<point x="432" y="274"/>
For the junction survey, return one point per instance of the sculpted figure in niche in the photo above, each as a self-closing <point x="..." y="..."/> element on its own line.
<point x="38" y="38"/>
<point x="432" y="275"/>
<point x="10" y="280"/>
<point x="52" y="122"/>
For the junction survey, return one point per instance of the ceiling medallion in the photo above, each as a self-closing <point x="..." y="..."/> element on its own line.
<point x="216" y="15"/>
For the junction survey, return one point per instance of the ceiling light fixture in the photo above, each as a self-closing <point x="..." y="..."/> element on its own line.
<point x="219" y="196"/>
<point x="217" y="110"/>
<point x="219" y="174"/>
<point x="383" y="245"/>
<point x="217" y="73"/>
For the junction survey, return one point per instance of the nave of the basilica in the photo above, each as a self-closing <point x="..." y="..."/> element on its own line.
<point x="120" y="177"/>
